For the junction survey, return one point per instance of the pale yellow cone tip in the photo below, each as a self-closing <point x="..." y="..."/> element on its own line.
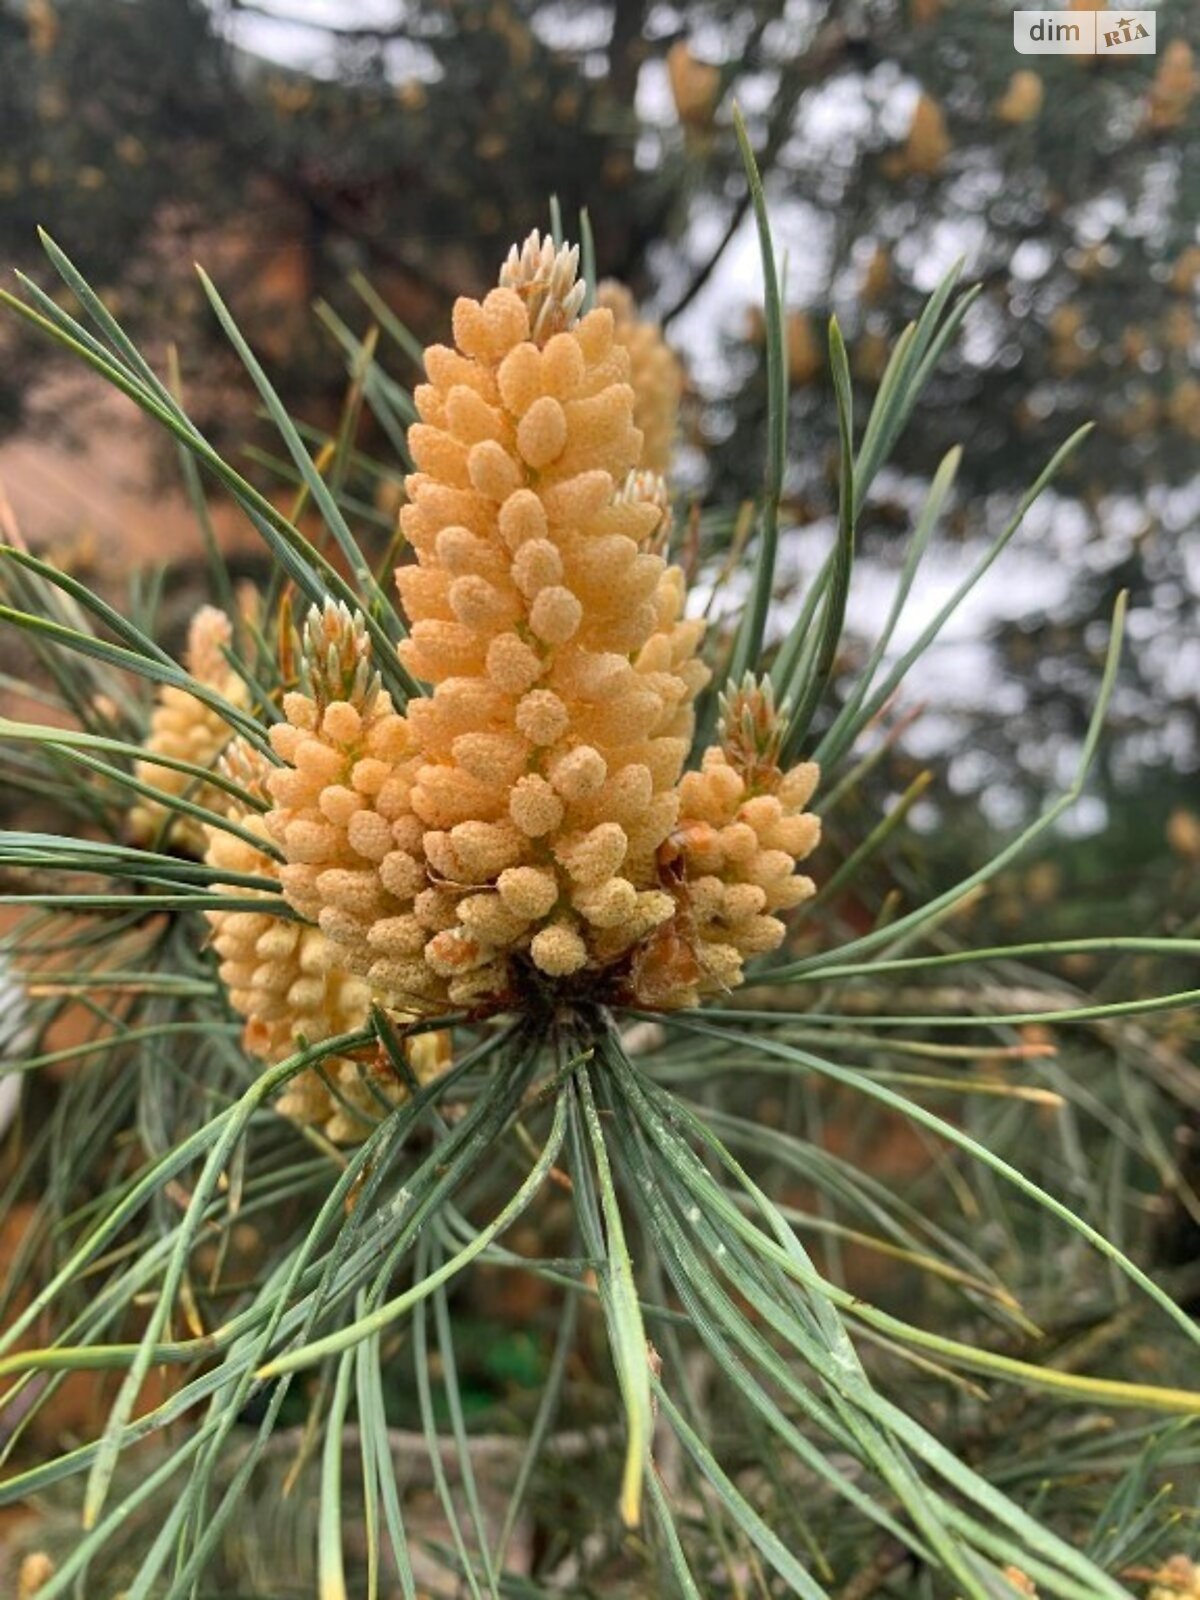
<point x="547" y="279"/>
<point x="336" y="656"/>
<point x="647" y="488"/>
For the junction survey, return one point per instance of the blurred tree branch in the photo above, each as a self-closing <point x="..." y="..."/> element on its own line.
<point x="826" y="49"/>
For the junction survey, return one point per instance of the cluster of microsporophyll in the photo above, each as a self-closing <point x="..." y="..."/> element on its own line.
<point x="279" y="976"/>
<point x="655" y="375"/>
<point x="733" y="857"/>
<point x="524" y="828"/>
<point x="526" y="798"/>
<point x="183" y="728"/>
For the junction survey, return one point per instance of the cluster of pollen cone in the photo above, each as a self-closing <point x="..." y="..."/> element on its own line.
<point x="524" y="830"/>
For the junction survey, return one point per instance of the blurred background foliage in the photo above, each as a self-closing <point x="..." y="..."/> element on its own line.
<point x="291" y="145"/>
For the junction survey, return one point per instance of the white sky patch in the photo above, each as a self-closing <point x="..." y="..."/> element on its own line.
<point x="293" y="34"/>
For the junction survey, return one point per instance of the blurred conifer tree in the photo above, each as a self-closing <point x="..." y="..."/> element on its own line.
<point x="894" y="135"/>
